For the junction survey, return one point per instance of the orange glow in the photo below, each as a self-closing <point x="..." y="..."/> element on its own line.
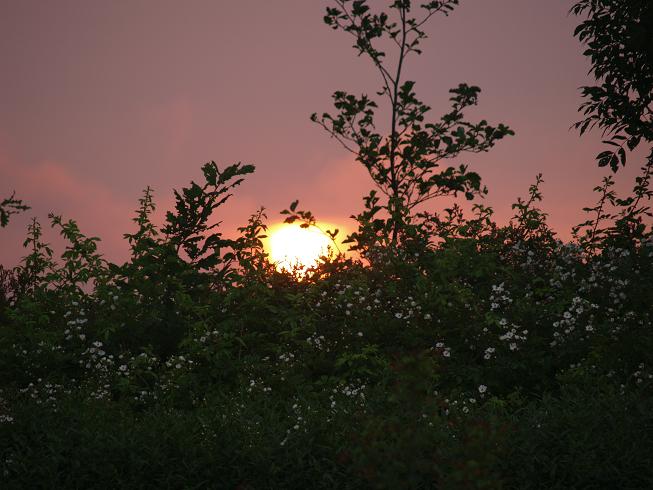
<point x="296" y="249"/>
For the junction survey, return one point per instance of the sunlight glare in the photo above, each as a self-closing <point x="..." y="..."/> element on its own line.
<point x="292" y="247"/>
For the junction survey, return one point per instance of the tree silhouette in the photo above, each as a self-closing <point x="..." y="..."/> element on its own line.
<point x="404" y="165"/>
<point x="619" y="39"/>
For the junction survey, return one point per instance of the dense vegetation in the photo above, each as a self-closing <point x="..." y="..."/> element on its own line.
<point x="453" y="352"/>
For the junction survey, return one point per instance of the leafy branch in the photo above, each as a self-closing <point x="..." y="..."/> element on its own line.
<point x="404" y="164"/>
<point x="189" y="230"/>
<point x="618" y="39"/>
<point x="10" y="206"/>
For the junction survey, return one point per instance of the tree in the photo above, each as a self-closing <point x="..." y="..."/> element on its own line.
<point x="619" y="39"/>
<point x="404" y="165"/>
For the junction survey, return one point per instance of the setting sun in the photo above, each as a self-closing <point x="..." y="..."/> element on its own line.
<point x="292" y="247"/>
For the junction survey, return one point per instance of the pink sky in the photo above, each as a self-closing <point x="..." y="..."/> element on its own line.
<point x="100" y="99"/>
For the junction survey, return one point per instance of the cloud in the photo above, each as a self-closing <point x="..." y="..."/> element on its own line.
<point x="50" y="186"/>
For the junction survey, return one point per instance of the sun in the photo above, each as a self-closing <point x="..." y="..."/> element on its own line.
<point x="296" y="249"/>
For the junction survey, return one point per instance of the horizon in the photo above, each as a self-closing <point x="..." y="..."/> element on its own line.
<point x="134" y="96"/>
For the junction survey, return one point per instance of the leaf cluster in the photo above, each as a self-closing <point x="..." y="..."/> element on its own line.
<point x="189" y="229"/>
<point x="10" y="206"/>
<point x="617" y="34"/>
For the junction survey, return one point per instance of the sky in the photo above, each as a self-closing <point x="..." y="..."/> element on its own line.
<point x="100" y="99"/>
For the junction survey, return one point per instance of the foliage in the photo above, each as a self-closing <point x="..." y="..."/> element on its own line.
<point x="10" y="206"/>
<point x="403" y="165"/>
<point x="617" y="220"/>
<point x="479" y="358"/>
<point x="620" y="47"/>
<point x="186" y="228"/>
<point x="472" y="355"/>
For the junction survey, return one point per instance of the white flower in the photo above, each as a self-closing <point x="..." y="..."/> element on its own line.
<point x="360" y="334"/>
<point x="482" y="388"/>
<point x="398" y="315"/>
<point x="427" y="316"/>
